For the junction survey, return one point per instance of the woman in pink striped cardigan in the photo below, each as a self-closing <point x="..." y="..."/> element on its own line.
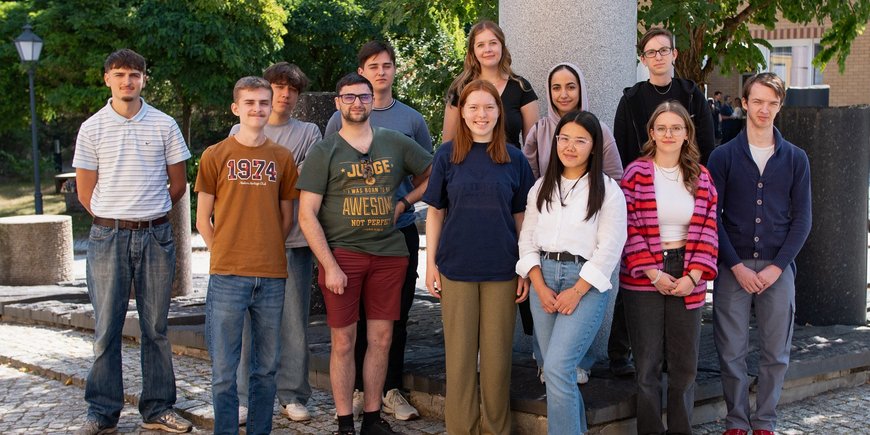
<point x="668" y="258"/>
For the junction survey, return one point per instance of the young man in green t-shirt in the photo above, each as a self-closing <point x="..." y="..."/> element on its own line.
<point x="347" y="212"/>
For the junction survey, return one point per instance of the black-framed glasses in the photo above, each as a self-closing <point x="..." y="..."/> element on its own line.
<point x="368" y="171"/>
<point x="350" y="98"/>
<point x="664" y="51"/>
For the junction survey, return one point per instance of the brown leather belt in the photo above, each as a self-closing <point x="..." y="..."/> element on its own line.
<point x="130" y="225"/>
<point x="562" y="256"/>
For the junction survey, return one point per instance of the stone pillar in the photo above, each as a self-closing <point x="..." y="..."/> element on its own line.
<point x="831" y="282"/>
<point x="598" y="36"/>
<point x="36" y="250"/>
<point x="179" y="218"/>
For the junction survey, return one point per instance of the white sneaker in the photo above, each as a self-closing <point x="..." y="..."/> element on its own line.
<point x="358" y="404"/>
<point x="396" y="404"/>
<point x="297" y="412"/>
<point x="582" y="376"/>
<point x="243" y="415"/>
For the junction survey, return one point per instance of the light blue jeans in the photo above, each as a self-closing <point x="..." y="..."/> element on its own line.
<point x="116" y="259"/>
<point x="230" y="298"/>
<point x="292" y="375"/>
<point x="564" y="340"/>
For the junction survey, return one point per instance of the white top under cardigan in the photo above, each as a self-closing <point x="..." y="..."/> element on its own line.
<point x="564" y="229"/>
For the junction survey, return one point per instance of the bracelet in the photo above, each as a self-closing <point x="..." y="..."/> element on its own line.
<point x="694" y="281"/>
<point x="408" y="205"/>
<point x="658" y="276"/>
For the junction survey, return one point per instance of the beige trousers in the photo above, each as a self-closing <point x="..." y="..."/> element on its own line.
<point x="478" y="316"/>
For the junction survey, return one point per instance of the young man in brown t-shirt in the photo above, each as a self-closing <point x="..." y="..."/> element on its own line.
<point x="247" y="183"/>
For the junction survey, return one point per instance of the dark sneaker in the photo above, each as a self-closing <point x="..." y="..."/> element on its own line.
<point x="93" y="427"/>
<point x="622" y="367"/>
<point x="169" y="421"/>
<point x="380" y="427"/>
<point x="344" y="432"/>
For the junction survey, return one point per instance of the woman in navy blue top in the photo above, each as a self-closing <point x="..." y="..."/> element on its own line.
<point x="477" y="195"/>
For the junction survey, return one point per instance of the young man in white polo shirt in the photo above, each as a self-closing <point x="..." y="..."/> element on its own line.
<point x="125" y="156"/>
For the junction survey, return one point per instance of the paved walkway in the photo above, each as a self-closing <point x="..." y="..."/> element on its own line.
<point x="34" y="405"/>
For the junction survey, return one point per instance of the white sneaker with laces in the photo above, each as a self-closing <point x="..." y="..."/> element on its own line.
<point x="396" y="404"/>
<point x="297" y="412"/>
<point x="582" y="376"/>
<point x="243" y="415"/>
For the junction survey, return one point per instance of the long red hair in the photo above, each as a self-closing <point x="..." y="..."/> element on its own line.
<point x="462" y="142"/>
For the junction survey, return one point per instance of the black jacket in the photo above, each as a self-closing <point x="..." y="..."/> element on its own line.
<point x="633" y="112"/>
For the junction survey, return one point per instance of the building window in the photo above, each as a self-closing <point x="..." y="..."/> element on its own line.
<point x="792" y="60"/>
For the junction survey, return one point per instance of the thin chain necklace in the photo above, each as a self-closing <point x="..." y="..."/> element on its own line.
<point x="562" y="198"/>
<point x="674" y="172"/>
<point x="656" y="88"/>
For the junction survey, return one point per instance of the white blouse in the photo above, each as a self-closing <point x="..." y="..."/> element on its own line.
<point x="564" y="229"/>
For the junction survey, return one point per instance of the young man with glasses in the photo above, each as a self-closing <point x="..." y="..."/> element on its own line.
<point x="126" y="154"/>
<point x="765" y="215"/>
<point x="348" y="211"/>
<point x="377" y="62"/>
<point x="658" y="53"/>
<point x="287" y="81"/>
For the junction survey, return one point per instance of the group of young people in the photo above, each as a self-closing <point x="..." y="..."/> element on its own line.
<point x="521" y="209"/>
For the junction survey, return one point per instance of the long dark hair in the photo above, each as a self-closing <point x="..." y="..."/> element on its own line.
<point x="594" y="166"/>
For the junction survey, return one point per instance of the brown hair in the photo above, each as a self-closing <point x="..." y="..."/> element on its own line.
<point x="374" y="48"/>
<point x="125" y="58"/>
<point x="283" y="73"/>
<point x="251" y="83"/>
<point x="471" y="66"/>
<point x="690" y="154"/>
<point x="652" y="33"/>
<point x="768" y="79"/>
<point x="497" y="147"/>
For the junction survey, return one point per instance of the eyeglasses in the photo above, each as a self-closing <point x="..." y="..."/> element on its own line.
<point x="350" y="98"/>
<point x="664" y="51"/>
<point x="576" y="142"/>
<point x="676" y="130"/>
<point x="368" y="172"/>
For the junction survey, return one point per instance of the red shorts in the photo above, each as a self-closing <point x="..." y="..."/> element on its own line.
<point x="377" y="279"/>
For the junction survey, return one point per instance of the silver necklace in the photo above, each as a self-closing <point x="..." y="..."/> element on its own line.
<point x="656" y="88"/>
<point x="675" y="172"/>
<point x="568" y="193"/>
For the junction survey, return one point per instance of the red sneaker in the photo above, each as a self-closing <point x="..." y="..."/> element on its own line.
<point x="762" y="432"/>
<point x="736" y="432"/>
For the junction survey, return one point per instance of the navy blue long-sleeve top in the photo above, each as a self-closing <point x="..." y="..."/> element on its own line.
<point x="761" y="216"/>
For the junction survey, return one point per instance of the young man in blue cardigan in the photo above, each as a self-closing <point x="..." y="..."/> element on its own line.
<point x="765" y="215"/>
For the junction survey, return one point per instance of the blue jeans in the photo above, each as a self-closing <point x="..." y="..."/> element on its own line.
<point x="230" y="298"/>
<point x="564" y="340"/>
<point x="292" y="376"/>
<point x="116" y="259"/>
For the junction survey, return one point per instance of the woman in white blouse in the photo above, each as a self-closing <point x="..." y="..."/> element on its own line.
<point x="571" y="241"/>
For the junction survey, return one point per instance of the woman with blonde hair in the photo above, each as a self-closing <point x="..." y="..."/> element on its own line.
<point x="668" y="258"/>
<point x="487" y="58"/>
<point x="477" y="195"/>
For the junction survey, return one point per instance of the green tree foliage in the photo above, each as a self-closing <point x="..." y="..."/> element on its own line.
<point x="718" y="31"/>
<point x="198" y="49"/>
<point x="325" y="35"/>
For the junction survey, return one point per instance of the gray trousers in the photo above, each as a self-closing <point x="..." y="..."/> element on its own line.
<point x="774" y="314"/>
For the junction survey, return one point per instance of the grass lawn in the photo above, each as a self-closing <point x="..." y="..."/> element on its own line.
<point x="16" y="198"/>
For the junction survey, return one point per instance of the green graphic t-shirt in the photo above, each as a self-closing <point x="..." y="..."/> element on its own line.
<point x="358" y="189"/>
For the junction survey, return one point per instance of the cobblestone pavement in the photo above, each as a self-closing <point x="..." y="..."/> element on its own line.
<point x="843" y="411"/>
<point x="34" y="404"/>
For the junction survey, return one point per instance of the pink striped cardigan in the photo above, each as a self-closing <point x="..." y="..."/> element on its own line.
<point x="643" y="248"/>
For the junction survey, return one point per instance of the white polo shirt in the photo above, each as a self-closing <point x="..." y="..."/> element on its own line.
<point x="130" y="157"/>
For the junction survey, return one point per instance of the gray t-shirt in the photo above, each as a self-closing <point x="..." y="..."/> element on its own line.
<point x="359" y="189"/>
<point x="297" y="136"/>
<point x="402" y="118"/>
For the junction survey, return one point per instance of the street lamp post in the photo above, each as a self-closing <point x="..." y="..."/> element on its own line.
<point x="29" y="47"/>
